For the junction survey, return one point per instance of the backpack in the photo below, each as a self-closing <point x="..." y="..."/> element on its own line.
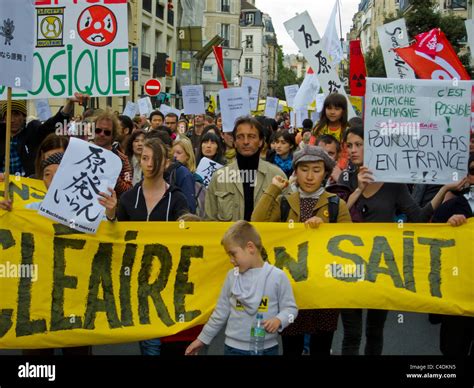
<point x="199" y="187"/>
<point x="343" y="192"/>
<point x="333" y="208"/>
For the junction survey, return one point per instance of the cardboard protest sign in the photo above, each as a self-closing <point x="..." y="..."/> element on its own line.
<point x="43" y="110"/>
<point x="417" y="131"/>
<point x="393" y="35"/>
<point x="193" y="99"/>
<point x="130" y="109"/>
<point x="303" y="32"/>
<point x="271" y="107"/>
<point x="206" y="169"/>
<point x="253" y="85"/>
<point x="17" y="29"/>
<point x="235" y="103"/>
<point x="72" y="199"/>
<point x="79" y="47"/>
<point x="145" y="107"/>
<point x="290" y="93"/>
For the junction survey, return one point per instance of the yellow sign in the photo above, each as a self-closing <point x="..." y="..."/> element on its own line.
<point x="134" y="281"/>
<point x="185" y="65"/>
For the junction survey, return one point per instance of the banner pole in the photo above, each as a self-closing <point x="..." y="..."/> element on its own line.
<point x="7" y="144"/>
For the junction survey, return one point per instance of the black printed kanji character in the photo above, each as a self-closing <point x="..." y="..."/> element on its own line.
<point x="94" y="160"/>
<point x="323" y="63"/>
<point x="307" y="37"/>
<point x="75" y="205"/>
<point x="85" y="189"/>
<point x="86" y="210"/>
<point x="333" y="87"/>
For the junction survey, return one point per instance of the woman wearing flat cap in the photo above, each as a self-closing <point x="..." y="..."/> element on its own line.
<point x="312" y="205"/>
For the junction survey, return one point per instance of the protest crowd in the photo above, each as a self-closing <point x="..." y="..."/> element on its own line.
<point x="313" y="175"/>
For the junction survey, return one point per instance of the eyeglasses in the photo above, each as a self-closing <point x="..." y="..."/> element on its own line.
<point x="107" y="132"/>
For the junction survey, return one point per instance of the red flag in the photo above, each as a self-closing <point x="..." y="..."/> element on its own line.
<point x="220" y="63"/>
<point x="444" y="64"/>
<point x="357" y="71"/>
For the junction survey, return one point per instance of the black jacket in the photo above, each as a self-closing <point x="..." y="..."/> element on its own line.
<point x="29" y="139"/>
<point x="457" y="205"/>
<point x="132" y="205"/>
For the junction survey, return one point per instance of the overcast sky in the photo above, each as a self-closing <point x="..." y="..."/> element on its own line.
<point x="319" y="10"/>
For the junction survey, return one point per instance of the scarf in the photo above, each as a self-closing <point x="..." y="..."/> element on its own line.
<point x="284" y="164"/>
<point x="315" y="194"/>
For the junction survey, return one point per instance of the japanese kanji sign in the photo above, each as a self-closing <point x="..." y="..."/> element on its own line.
<point x="304" y="34"/>
<point x="16" y="43"/>
<point x="206" y="169"/>
<point x="72" y="199"/>
<point x="75" y="46"/>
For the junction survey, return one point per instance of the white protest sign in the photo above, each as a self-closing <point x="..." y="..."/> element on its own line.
<point x="393" y="35"/>
<point x="320" y="102"/>
<point x="206" y="169"/>
<point x="166" y="109"/>
<point x="43" y="110"/>
<point x="193" y="99"/>
<point x="72" y="198"/>
<point x="303" y="32"/>
<point x="17" y="30"/>
<point x="253" y="85"/>
<point x="235" y="103"/>
<point x="145" y="107"/>
<point x="300" y="115"/>
<point x="469" y="23"/>
<point x="417" y="131"/>
<point x="292" y="119"/>
<point x="290" y="93"/>
<point x="130" y="109"/>
<point x="79" y="46"/>
<point x="271" y="107"/>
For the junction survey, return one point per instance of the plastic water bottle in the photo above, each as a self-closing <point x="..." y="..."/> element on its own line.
<point x="257" y="336"/>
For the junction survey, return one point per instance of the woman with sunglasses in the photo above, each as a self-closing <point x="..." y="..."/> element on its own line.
<point x="376" y="202"/>
<point x="457" y="332"/>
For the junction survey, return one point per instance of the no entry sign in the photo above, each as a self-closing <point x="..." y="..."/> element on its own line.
<point x="152" y="87"/>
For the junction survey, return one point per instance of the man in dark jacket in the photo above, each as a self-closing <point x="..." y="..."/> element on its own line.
<point x="26" y="138"/>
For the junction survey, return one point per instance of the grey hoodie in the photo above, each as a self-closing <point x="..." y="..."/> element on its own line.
<point x="266" y="290"/>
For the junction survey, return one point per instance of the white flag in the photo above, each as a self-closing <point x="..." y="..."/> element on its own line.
<point x="330" y="40"/>
<point x="308" y="90"/>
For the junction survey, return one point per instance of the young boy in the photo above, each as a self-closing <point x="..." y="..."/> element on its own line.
<point x="252" y="287"/>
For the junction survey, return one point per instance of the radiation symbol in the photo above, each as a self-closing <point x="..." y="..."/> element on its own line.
<point x="51" y="27"/>
<point x="97" y="26"/>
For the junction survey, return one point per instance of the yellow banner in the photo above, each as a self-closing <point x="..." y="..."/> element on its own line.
<point x="134" y="281"/>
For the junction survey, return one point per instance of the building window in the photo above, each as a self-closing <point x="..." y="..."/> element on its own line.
<point x="225" y="33"/>
<point x="249" y="41"/>
<point x="225" y="5"/>
<point x="160" y="10"/>
<point x="208" y="68"/>
<point x="146" y="4"/>
<point x="249" y="18"/>
<point x="248" y="65"/>
<point x="227" y="71"/>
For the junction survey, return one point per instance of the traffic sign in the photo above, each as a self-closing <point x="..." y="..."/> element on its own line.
<point x="152" y="87"/>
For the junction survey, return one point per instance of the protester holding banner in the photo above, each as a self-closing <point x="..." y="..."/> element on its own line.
<point x="152" y="199"/>
<point x="457" y="332"/>
<point x="377" y="202"/>
<point x="25" y="138"/>
<point x="333" y="120"/>
<point x="235" y="189"/>
<point x="134" y="151"/>
<point x="51" y="144"/>
<point x="282" y="154"/>
<point x="107" y="129"/>
<point x="312" y="205"/>
<point x="242" y="295"/>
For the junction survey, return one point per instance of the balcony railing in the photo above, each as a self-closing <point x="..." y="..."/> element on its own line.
<point x="225" y="8"/>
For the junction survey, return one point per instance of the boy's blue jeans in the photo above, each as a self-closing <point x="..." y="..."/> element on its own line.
<point x="230" y="351"/>
<point x="150" y="347"/>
